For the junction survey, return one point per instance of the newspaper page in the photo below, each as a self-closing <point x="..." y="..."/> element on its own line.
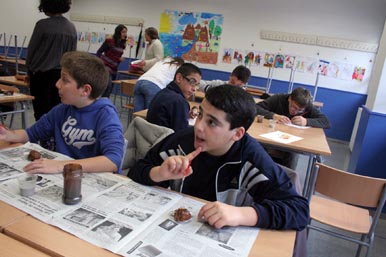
<point x="192" y="238"/>
<point x="12" y="160"/>
<point x="47" y="202"/>
<point x="120" y="215"/>
<point x="114" y="218"/>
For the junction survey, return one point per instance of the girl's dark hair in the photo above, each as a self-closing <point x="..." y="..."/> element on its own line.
<point x="117" y="36"/>
<point x="54" y="6"/>
<point x="152" y="33"/>
<point x="178" y="61"/>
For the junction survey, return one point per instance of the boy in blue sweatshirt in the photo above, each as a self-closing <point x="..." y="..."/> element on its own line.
<point x="84" y="126"/>
<point x="219" y="162"/>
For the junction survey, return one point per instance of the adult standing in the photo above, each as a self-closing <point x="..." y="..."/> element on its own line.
<point x="155" y="79"/>
<point x="51" y="38"/>
<point x="111" y="52"/>
<point x="154" y="49"/>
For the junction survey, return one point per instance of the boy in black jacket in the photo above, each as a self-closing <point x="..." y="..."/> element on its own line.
<point x="218" y="161"/>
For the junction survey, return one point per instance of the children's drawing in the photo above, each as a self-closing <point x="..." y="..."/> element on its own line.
<point x="258" y="58"/>
<point x="359" y="73"/>
<point x="289" y="61"/>
<point x="227" y="55"/>
<point x="238" y="56"/>
<point x="249" y="58"/>
<point x="269" y="59"/>
<point x="191" y="35"/>
<point x="279" y="61"/>
<point x="323" y="66"/>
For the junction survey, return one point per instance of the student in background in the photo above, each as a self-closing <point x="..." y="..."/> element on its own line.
<point x="295" y="108"/>
<point x="155" y="79"/>
<point x="154" y="49"/>
<point x="218" y="161"/>
<point x="85" y="126"/>
<point x="50" y="39"/>
<point x="169" y="107"/>
<point x="239" y="77"/>
<point x="111" y="52"/>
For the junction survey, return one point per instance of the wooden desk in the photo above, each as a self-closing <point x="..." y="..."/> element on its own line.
<point x="52" y="240"/>
<point x="56" y="242"/>
<point x="199" y="96"/>
<point x="255" y="91"/>
<point x="118" y="82"/>
<point x="129" y="73"/>
<point x="12" y="60"/>
<point x="14" y="248"/>
<point x="9" y="214"/>
<point x="11" y="80"/>
<point x="16" y="98"/>
<point x="314" y="140"/>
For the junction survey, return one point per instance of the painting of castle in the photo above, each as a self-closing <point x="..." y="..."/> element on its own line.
<point x="193" y="36"/>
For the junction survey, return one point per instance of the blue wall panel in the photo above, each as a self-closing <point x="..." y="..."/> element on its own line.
<point x="369" y="151"/>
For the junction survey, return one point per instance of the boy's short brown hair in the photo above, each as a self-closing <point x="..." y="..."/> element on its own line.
<point x="86" y="68"/>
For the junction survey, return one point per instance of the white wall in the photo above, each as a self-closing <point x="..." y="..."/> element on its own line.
<point x="243" y="20"/>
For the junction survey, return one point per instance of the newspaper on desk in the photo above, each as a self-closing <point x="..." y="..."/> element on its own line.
<point x="120" y="215"/>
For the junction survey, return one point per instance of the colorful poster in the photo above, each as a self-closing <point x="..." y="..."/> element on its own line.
<point x="306" y="64"/>
<point x="258" y="58"/>
<point x="289" y="61"/>
<point x="279" y="61"/>
<point x="269" y="59"/>
<point x="194" y="36"/>
<point x="359" y="73"/>
<point x="227" y="55"/>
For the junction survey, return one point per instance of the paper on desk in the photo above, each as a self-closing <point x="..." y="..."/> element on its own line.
<point x="122" y="216"/>
<point x="13" y="160"/>
<point x="281" y="137"/>
<point x="296" y="126"/>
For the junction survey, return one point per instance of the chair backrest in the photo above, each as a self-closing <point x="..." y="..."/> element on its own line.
<point x="127" y="88"/>
<point x="348" y="187"/>
<point x="141" y="135"/>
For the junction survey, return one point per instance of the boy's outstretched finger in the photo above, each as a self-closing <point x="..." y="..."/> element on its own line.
<point x="193" y="154"/>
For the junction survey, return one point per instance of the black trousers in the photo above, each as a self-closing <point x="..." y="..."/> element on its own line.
<point x="42" y="87"/>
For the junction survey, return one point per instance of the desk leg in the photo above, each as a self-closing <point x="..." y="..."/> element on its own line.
<point x="23" y="115"/>
<point x="311" y="163"/>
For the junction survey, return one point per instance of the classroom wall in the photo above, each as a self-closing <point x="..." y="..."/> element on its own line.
<point x="347" y="19"/>
<point x="368" y="156"/>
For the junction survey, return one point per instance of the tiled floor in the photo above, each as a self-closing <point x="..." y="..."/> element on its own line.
<point x="319" y="245"/>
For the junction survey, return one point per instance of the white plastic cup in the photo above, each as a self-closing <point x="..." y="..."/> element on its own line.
<point x="272" y="124"/>
<point x="27" y="183"/>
